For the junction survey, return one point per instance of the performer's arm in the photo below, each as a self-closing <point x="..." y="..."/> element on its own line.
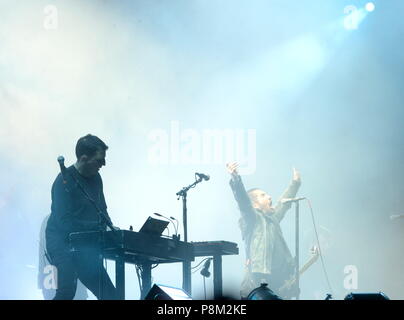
<point x="104" y="205"/>
<point x="239" y="192"/>
<point x="290" y="192"/>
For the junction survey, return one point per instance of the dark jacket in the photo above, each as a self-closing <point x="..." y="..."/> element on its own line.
<point x="71" y="211"/>
<point x="266" y="249"/>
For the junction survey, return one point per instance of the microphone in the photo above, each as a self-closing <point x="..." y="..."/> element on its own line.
<point x="176" y="229"/>
<point x="396" y="216"/>
<point x="160" y="215"/>
<point x="292" y="200"/>
<point x="61" y="161"/>
<point x="205" y="271"/>
<point x="202" y="176"/>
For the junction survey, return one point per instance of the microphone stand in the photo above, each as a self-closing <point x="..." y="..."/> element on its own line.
<point x="297" y="271"/>
<point x="186" y="265"/>
<point x="297" y="267"/>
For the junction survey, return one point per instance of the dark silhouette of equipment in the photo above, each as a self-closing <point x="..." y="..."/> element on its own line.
<point x="263" y="293"/>
<point x="366" y="296"/>
<point x="162" y="292"/>
<point x="216" y="249"/>
<point x="154" y="226"/>
<point x="126" y="246"/>
<point x="205" y="271"/>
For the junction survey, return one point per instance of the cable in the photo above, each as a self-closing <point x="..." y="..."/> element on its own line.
<point x="319" y="248"/>
<point x="200" y="264"/>
<point x="139" y="277"/>
<point x="175" y="226"/>
<point x="170" y="220"/>
<point x="168" y="231"/>
<point x="204" y="286"/>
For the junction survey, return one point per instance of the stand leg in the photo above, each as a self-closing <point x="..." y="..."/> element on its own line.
<point x="186" y="277"/>
<point x="186" y="265"/>
<point x="146" y="279"/>
<point x="217" y="277"/>
<point x="120" y="278"/>
<point x="100" y="267"/>
<point x="297" y="274"/>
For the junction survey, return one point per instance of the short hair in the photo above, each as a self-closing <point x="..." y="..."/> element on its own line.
<point x="89" y="145"/>
<point x="250" y="193"/>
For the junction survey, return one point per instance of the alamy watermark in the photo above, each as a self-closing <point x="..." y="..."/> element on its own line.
<point x="50" y="279"/>
<point x="51" y="19"/>
<point x="351" y="20"/>
<point x="203" y="147"/>
<point x="351" y="277"/>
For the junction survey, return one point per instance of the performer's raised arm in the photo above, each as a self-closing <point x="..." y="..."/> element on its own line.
<point x="239" y="192"/>
<point x="282" y="207"/>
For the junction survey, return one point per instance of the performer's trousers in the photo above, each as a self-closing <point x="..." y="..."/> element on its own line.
<point x="84" y="266"/>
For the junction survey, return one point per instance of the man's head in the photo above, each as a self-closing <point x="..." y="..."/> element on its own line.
<point x="260" y="200"/>
<point x="90" y="153"/>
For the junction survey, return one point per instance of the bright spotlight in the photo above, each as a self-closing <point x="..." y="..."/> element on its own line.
<point x="370" y="6"/>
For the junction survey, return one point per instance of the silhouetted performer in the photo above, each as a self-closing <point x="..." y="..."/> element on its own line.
<point x="71" y="212"/>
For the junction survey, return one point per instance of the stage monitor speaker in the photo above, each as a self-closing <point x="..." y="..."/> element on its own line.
<point x="366" y="296"/>
<point x="162" y="292"/>
<point x="263" y="293"/>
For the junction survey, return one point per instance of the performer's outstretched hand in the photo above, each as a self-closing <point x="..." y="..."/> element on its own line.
<point x="296" y="175"/>
<point x="232" y="168"/>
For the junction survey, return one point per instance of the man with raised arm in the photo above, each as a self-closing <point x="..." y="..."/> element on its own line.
<point x="268" y="259"/>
